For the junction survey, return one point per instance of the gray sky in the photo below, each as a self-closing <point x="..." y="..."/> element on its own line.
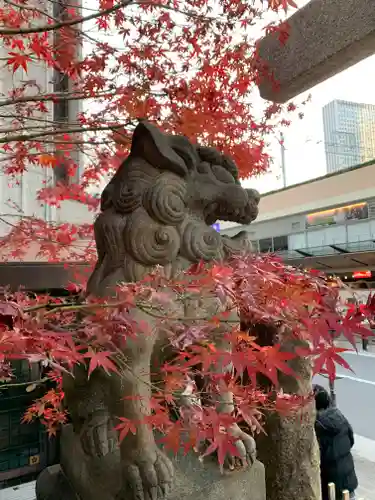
<point x="304" y="155"/>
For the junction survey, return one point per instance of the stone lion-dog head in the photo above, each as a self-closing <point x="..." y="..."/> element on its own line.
<point x="159" y="208"/>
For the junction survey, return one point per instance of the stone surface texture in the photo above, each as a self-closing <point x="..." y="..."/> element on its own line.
<point x="289" y="450"/>
<point x="326" y="37"/>
<point x="193" y="480"/>
<point x="157" y="210"/>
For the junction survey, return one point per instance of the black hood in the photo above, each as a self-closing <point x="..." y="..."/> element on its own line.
<point x="331" y="421"/>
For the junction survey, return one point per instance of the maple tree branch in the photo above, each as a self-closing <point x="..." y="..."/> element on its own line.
<point x="43" y="120"/>
<point x="67" y="96"/>
<point x="62" y="131"/>
<point x="40" y="238"/>
<point x="77" y="142"/>
<point x="22" y="384"/>
<point x="42" y="125"/>
<point x="53" y="308"/>
<point x="63" y="24"/>
<point x="150" y="311"/>
<point x="95" y="15"/>
<point x="178" y="11"/>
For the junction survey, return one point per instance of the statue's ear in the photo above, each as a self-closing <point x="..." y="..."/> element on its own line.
<point x="166" y="152"/>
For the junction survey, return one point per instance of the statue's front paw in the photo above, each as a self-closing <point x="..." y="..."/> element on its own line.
<point x="149" y="476"/>
<point x="98" y="437"/>
<point x="246" y="448"/>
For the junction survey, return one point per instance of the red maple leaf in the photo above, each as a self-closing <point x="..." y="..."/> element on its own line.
<point x="204" y="355"/>
<point x="125" y="427"/>
<point x="18" y="60"/>
<point x="17" y="44"/>
<point x="251" y="415"/>
<point x="287" y="404"/>
<point x="284" y="4"/>
<point x="327" y="358"/>
<point x="100" y="359"/>
<point x="224" y="444"/>
<point x="272" y="360"/>
<point x="73" y="287"/>
<point x="172" y="438"/>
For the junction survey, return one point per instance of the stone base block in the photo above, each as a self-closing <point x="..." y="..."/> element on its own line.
<point x="79" y="479"/>
<point x="191" y="483"/>
<point x="52" y="484"/>
<point x="203" y="481"/>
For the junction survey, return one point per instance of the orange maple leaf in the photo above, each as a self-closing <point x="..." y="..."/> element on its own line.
<point x="47" y="160"/>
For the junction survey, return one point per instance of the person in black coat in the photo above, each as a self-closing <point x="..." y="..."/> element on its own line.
<point x="335" y="438"/>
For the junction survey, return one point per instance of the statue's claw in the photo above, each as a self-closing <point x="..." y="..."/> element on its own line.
<point x="149" y="476"/>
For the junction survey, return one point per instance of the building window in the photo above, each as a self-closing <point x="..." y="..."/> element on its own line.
<point x="254" y="246"/>
<point x="280" y="243"/>
<point x="265" y="245"/>
<point x="61" y="118"/>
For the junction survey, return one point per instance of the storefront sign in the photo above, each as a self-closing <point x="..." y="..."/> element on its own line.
<point x="361" y="274"/>
<point x="333" y="216"/>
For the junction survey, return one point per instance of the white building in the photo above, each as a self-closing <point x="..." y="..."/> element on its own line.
<point x="18" y="195"/>
<point x="326" y="223"/>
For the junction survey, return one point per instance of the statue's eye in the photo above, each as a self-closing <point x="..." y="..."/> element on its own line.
<point x="222" y="174"/>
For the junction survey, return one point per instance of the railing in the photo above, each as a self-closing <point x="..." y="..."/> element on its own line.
<point x="327" y="250"/>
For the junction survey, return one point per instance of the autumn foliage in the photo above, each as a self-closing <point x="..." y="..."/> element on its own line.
<point x="301" y="307"/>
<point x="192" y="67"/>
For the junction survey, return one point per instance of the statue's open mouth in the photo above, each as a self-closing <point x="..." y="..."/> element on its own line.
<point x="221" y="211"/>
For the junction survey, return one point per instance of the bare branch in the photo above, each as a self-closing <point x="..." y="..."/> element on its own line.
<point x="42" y="120"/>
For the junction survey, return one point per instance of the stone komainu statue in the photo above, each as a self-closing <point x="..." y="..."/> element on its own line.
<point x="159" y="207"/>
<point x="157" y="210"/>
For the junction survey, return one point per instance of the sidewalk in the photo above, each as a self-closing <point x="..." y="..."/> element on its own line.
<point x="23" y="492"/>
<point x="366" y="478"/>
<point x="364" y="468"/>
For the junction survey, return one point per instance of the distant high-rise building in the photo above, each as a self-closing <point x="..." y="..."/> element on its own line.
<point x="349" y="134"/>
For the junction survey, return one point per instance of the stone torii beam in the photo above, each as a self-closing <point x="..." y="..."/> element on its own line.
<point x="326" y="37"/>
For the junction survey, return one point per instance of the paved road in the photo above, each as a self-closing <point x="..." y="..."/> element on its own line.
<point x="356" y="399"/>
<point x="356" y="393"/>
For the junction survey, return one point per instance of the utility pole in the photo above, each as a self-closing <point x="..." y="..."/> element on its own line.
<point x="282" y="145"/>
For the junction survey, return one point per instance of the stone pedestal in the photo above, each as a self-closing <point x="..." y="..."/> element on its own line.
<point x="78" y="478"/>
<point x="203" y="481"/>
